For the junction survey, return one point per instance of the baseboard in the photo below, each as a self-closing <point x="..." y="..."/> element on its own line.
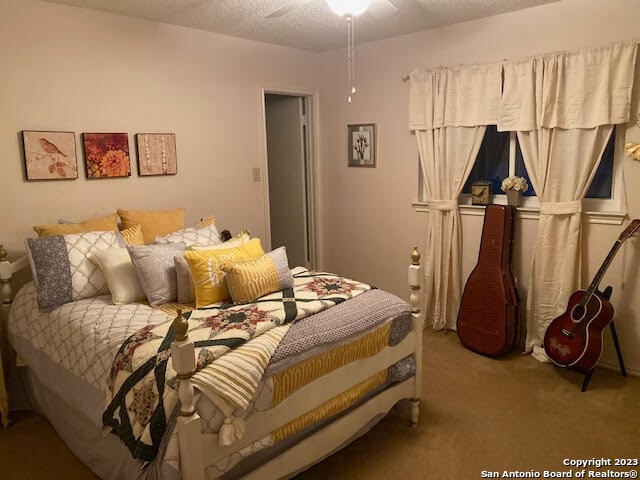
<point x="615" y="367"/>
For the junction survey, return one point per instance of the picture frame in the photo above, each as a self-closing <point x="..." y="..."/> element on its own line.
<point x="106" y="155"/>
<point x="49" y="155"/>
<point x="481" y="193"/>
<point x="362" y="145"/>
<point x="157" y="154"/>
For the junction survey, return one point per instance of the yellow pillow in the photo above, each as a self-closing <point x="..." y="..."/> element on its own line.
<point x="98" y="224"/>
<point x="154" y="223"/>
<point x="252" y="279"/>
<point x="133" y="235"/>
<point x="206" y="270"/>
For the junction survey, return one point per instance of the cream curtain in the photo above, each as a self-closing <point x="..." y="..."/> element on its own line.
<point x="561" y="164"/>
<point x="563" y="107"/>
<point x="449" y="111"/>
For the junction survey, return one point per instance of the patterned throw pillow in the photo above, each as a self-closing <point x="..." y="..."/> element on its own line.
<point x="62" y="270"/>
<point x="207" y="221"/>
<point x="252" y="279"/>
<point x="156" y="271"/>
<point x="206" y="270"/>
<point x="133" y="235"/>
<point x="121" y="277"/>
<point x="98" y="224"/>
<point x="193" y="236"/>
<point x="241" y="239"/>
<point x="154" y="223"/>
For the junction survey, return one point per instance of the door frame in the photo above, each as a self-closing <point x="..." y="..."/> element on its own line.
<point x="314" y="179"/>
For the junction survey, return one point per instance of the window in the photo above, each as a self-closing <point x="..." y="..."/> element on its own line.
<point x="500" y="156"/>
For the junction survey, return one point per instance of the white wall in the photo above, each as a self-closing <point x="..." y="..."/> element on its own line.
<point x="70" y="69"/>
<point x="369" y="222"/>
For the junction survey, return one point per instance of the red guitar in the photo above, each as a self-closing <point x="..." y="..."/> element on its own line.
<point x="574" y="339"/>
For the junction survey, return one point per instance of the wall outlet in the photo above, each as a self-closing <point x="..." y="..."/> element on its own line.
<point x="256" y="174"/>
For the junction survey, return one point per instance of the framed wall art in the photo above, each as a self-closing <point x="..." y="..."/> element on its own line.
<point x="362" y="145"/>
<point x="50" y="155"/>
<point x="157" y="154"/>
<point x="106" y="155"/>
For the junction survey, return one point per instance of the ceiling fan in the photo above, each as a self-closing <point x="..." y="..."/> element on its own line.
<point x="349" y="9"/>
<point x="377" y="8"/>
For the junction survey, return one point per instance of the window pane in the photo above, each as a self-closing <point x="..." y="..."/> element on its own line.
<point x="492" y="162"/>
<point x="601" y="185"/>
<point x="521" y="171"/>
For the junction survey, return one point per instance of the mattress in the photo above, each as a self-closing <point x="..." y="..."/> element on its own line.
<point x="69" y="352"/>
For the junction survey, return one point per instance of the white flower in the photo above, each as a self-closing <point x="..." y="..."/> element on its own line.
<point x="519" y="184"/>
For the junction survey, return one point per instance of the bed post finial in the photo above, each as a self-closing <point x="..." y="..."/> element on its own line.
<point x="3" y="253"/>
<point x="415" y="256"/>
<point x="415" y="300"/>
<point x="180" y="326"/>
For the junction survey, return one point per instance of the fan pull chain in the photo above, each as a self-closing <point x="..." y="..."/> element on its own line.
<point x="350" y="50"/>
<point x="353" y="55"/>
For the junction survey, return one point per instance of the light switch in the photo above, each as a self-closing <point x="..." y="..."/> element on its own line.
<point x="257" y="174"/>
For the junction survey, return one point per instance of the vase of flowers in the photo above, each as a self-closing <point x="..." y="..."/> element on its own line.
<point x="513" y="187"/>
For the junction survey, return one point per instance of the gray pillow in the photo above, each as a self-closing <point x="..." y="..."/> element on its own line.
<point x="156" y="270"/>
<point x="183" y="277"/>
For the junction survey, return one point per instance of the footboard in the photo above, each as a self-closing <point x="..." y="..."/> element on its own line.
<point x="193" y="443"/>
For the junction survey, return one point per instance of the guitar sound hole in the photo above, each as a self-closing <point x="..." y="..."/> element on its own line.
<point x="578" y="312"/>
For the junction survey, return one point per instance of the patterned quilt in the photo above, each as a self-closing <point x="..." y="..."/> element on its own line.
<point x="233" y="346"/>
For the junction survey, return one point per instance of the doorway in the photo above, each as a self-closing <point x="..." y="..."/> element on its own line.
<point x="290" y="175"/>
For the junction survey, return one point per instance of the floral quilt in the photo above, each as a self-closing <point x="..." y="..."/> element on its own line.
<point x="143" y="384"/>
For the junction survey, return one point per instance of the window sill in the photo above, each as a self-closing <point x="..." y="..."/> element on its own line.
<point x="530" y="213"/>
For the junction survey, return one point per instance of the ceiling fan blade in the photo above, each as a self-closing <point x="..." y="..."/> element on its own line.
<point x="382" y="8"/>
<point x="286" y="8"/>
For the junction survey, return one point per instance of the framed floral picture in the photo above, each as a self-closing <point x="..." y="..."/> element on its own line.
<point x="156" y="154"/>
<point x="362" y="145"/>
<point x="50" y="155"/>
<point x="106" y="155"/>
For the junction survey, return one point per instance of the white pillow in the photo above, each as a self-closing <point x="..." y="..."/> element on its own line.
<point x="121" y="277"/>
<point x="192" y="236"/>
<point x="236" y="241"/>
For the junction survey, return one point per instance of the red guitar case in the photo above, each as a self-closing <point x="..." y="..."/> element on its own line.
<point x="488" y="316"/>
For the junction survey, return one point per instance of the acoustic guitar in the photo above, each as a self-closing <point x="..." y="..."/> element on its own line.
<point x="574" y="339"/>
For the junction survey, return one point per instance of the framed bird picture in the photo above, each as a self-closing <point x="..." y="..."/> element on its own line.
<point x="50" y="155"/>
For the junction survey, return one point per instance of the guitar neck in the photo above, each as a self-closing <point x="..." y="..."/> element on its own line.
<point x="601" y="271"/>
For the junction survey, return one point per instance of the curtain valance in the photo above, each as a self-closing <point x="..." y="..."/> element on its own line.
<point x="582" y="89"/>
<point x="462" y="96"/>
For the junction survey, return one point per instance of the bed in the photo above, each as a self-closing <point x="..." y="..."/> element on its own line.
<point x="333" y="375"/>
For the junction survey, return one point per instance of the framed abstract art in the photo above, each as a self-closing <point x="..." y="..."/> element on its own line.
<point x="106" y="155"/>
<point x="362" y="145"/>
<point x="157" y="154"/>
<point x="50" y="155"/>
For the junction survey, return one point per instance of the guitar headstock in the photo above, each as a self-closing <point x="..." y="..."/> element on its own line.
<point x="631" y="230"/>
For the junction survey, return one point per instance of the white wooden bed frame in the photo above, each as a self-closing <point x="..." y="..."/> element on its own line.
<point x="193" y="443"/>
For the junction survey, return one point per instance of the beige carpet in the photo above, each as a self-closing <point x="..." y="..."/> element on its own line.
<point x="478" y="414"/>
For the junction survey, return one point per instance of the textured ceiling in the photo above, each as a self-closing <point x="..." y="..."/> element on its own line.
<point x="311" y="26"/>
